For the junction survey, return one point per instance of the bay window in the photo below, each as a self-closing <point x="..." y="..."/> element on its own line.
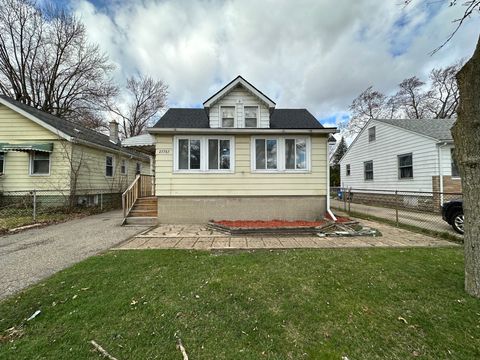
<point x="203" y="154"/>
<point x="280" y="154"/>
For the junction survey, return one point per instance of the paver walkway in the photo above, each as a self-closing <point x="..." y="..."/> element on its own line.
<point x="201" y="238"/>
<point x="32" y="255"/>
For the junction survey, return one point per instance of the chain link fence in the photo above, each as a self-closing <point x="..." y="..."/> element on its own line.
<point x="412" y="208"/>
<point x="20" y="208"/>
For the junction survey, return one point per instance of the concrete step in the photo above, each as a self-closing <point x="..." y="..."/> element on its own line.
<point x="145" y="207"/>
<point x="142" y="220"/>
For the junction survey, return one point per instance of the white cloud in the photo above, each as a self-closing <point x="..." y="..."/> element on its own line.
<point x="314" y="54"/>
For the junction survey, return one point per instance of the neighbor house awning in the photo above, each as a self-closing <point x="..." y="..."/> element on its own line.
<point x="46" y="147"/>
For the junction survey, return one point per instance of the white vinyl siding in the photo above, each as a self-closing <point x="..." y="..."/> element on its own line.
<point x="240" y="98"/>
<point x="391" y="142"/>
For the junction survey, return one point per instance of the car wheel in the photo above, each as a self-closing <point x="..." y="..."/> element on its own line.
<point x="457" y="222"/>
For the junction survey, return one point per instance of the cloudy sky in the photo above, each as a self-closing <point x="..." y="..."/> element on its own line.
<point x="317" y="54"/>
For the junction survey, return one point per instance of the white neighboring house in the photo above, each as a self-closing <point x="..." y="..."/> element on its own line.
<point x="404" y="155"/>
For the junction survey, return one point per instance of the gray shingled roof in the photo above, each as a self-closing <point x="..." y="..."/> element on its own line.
<point x="198" y="118"/>
<point x="438" y="129"/>
<point x="72" y="129"/>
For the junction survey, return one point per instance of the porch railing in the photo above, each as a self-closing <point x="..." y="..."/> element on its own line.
<point x="142" y="186"/>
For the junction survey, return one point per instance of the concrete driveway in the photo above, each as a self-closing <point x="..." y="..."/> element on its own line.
<point x="32" y="255"/>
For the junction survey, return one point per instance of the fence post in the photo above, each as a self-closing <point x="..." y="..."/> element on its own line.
<point x="101" y="201"/>
<point x="396" y="207"/>
<point x="344" y="195"/>
<point x="34" y="205"/>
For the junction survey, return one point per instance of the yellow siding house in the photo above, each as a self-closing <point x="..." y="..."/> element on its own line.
<point x="39" y="151"/>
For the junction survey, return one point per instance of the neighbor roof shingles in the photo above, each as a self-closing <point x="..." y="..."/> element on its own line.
<point x="198" y="118"/>
<point x="436" y="128"/>
<point x="71" y="129"/>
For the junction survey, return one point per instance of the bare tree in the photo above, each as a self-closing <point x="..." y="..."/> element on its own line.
<point x="413" y="100"/>
<point x="444" y="95"/>
<point x="47" y="62"/>
<point x="147" y="98"/>
<point x="370" y="104"/>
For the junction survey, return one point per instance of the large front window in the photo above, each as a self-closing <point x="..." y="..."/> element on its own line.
<point x="204" y="154"/>
<point x="40" y="163"/>
<point x="280" y="154"/>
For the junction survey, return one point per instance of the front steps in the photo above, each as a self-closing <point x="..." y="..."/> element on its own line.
<point x="144" y="212"/>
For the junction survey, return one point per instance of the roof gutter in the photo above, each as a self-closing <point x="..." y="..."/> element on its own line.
<point x="325" y="131"/>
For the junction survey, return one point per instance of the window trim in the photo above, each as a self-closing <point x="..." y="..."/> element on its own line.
<point x="220" y="116"/>
<point x="30" y="162"/>
<point x="399" y="168"/>
<point x="348" y="169"/>
<point x="365" y="171"/>
<point x="374" y="128"/>
<point x="113" y="166"/>
<point x="126" y="167"/>
<point x="203" y="155"/>
<point x="258" y="116"/>
<point x="281" y="166"/>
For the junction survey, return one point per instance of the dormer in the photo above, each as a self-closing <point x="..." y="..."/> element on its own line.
<point x="239" y="104"/>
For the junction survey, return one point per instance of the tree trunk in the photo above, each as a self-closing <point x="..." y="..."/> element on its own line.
<point x="466" y="135"/>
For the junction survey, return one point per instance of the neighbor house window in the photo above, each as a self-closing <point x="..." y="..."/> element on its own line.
<point x="109" y="165"/>
<point x="123" y="167"/>
<point x="228" y="116"/>
<point x="251" y="113"/>
<point x="2" y="162"/>
<point x="39" y="163"/>
<point x="405" y="166"/>
<point x="218" y="154"/>
<point x="454" y="164"/>
<point x="372" y="134"/>
<point x="296" y="154"/>
<point x="138" y="168"/>
<point x="204" y="154"/>
<point x="347" y="169"/>
<point x="368" y="170"/>
<point x="266" y="154"/>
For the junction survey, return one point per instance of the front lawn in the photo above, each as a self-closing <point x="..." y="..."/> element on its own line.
<point x="323" y="304"/>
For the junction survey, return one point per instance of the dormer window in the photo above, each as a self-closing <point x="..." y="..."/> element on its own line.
<point x="228" y="116"/>
<point x="251" y="114"/>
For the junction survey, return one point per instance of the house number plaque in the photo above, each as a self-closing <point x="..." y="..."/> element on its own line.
<point x="164" y="151"/>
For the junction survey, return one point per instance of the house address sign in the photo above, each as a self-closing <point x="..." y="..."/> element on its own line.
<point x="164" y="151"/>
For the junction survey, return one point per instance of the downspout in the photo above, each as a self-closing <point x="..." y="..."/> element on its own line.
<point x="440" y="173"/>
<point x="329" y="211"/>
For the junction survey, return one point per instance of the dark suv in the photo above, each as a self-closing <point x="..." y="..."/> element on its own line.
<point x="452" y="213"/>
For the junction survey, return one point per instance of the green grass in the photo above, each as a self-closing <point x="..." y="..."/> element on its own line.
<point x="305" y="304"/>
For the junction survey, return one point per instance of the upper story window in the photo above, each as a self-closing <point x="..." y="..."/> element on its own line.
<point x="123" y="167"/>
<point x="39" y="163"/>
<point x="347" y="169"/>
<point x="2" y="163"/>
<point x="372" y="134"/>
<point x="454" y="164"/>
<point x="228" y="116"/>
<point x="109" y="165"/>
<point x="368" y="170"/>
<point x="280" y="154"/>
<point x="405" y="166"/>
<point x="251" y="116"/>
<point x="204" y="154"/>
